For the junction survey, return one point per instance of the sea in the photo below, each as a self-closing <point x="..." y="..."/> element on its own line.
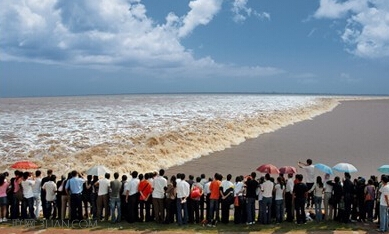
<point x="142" y="132"/>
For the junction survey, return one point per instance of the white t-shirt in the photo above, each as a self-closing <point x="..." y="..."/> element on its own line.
<point x="238" y="188"/>
<point x="133" y="186"/>
<point x="310" y="171"/>
<point x="279" y="192"/>
<point x="103" y="187"/>
<point x="289" y="185"/>
<point x="384" y="192"/>
<point x="50" y="187"/>
<point x="183" y="189"/>
<point x="226" y="185"/>
<point x="36" y="189"/>
<point x="159" y="184"/>
<point x="27" y="188"/>
<point x="267" y="189"/>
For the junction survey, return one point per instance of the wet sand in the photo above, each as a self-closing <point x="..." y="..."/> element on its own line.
<point x="356" y="132"/>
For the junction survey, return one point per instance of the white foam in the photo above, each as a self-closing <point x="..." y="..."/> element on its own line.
<point x="112" y="129"/>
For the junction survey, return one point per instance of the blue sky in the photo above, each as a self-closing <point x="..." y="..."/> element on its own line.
<point x="73" y="47"/>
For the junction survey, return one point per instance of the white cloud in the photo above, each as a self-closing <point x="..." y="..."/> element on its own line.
<point x="241" y="11"/>
<point x="367" y="31"/>
<point x="111" y="34"/>
<point x="201" y="13"/>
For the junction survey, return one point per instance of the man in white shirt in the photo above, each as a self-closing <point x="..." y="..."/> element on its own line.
<point x="309" y="179"/>
<point x="289" y="198"/>
<point x="132" y="198"/>
<point x="103" y="197"/>
<point x="227" y="196"/>
<point x="50" y="188"/>
<point x="36" y="190"/>
<point x="27" y="184"/>
<point x="183" y="190"/>
<point x="159" y="186"/>
<point x="267" y="199"/>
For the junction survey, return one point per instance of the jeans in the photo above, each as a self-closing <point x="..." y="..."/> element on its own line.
<point x="182" y="206"/>
<point x="213" y="207"/>
<point x="115" y="203"/>
<point x="383" y="218"/>
<point x="50" y="209"/>
<point x="279" y="211"/>
<point x="318" y="213"/>
<point x="28" y="203"/>
<point x="250" y="208"/>
<point x="266" y="209"/>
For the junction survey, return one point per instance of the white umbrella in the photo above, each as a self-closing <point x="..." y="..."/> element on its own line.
<point x="345" y="167"/>
<point x="98" y="170"/>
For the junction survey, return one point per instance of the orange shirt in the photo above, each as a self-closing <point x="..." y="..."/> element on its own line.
<point x="214" y="187"/>
<point x="146" y="188"/>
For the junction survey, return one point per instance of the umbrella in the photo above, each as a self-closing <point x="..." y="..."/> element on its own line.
<point x="324" y="168"/>
<point x="98" y="170"/>
<point x="345" y="167"/>
<point x="384" y="169"/>
<point x="288" y="170"/>
<point x="268" y="168"/>
<point x="24" y="165"/>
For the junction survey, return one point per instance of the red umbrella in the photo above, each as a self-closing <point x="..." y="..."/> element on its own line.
<point x="268" y="168"/>
<point x="288" y="170"/>
<point x="24" y="165"/>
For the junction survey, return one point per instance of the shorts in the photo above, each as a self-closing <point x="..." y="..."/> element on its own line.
<point x="3" y="201"/>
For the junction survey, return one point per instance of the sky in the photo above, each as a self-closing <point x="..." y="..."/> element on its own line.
<point x="83" y="47"/>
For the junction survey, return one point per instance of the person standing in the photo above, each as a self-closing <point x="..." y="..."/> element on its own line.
<point x="267" y="199"/>
<point x="74" y="187"/>
<point x="3" y="198"/>
<point x="369" y="192"/>
<point x="309" y="180"/>
<point x="289" y="198"/>
<point x="28" y="196"/>
<point x="114" y="199"/>
<point x="36" y="190"/>
<point x="238" y="196"/>
<point x="132" y="198"/>
<point x="196" y="194"/>
<point x="159" y="185"/>
<point x="43" y="192"/>
<point x="214" y="189"/>
<point x="251" y="194"/>
<point x="183" y="190"/>
<point x="384" y="204"/>
<point x="227" y="198"/>
<point x="279" y="189"/>
<point x="328" y="190"/>
<point x="348" y="196"/>
<point x="300" y="192"/>
<point x="103" y="197"/>
<point x="318" y="190"/>
<point x="50" y="189"/>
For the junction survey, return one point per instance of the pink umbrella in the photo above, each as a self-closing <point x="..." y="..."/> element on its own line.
<point x="268" y="168"/>
<point x="288" y="170"/>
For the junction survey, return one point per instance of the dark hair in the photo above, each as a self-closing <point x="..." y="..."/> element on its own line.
<point x="229" y="176"/>
<point x="161" y="172"/>
<point x="309" y="161"/>
<point x="38" y="173"/>
<point x="280" y="180"/>
<point x="140" y="176"/>
<point x="134" y="174"/>
<point x="319" y="181"/>
<point x="107" y="175"/>
<point x="2" y="179"/>
<point x="53" y="178"/>
<point x="116" y="175"/>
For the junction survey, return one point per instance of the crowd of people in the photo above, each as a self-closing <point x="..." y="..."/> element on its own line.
<point x="153" y="197"/>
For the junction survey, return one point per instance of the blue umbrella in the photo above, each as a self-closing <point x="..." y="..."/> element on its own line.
<point x="345" y="167"/>
<point x="384" y="169"/>
<point x="324" y="168"/>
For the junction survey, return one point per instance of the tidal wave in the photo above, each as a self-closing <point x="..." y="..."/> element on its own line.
<point x="141" y="132"/>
